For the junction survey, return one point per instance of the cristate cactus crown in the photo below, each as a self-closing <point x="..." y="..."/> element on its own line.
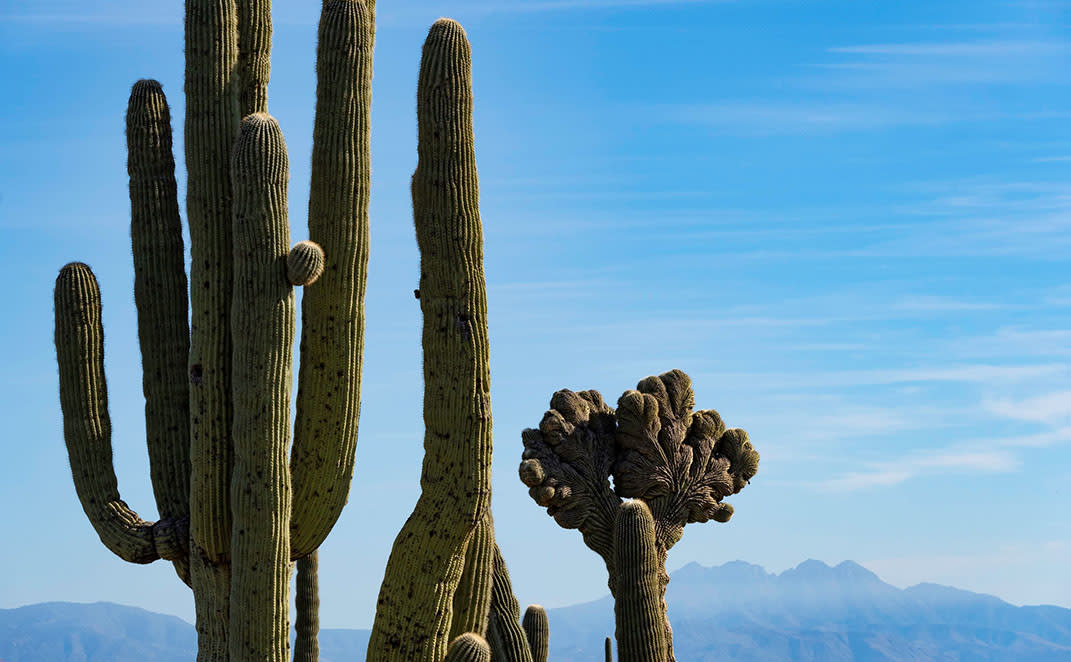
<point x="654" y="447"/>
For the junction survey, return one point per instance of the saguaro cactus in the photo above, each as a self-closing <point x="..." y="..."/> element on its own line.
<point x="233" y="512"/>
<point x="413" y="615"/>
<point x="680" y="463"/>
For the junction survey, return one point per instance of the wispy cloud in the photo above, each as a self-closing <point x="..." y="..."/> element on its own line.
<point x="958" y="49"/>
<point x="885" y="474"/>
<point x="1048" y="408"/>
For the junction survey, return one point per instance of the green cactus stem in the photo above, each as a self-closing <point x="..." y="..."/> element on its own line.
<point x="305" y="263"/>
<point x="641" y="636"/>
<point x="332" y="312"/>
<point x="537" y="630"/>
<point x="472" y="599"/>
<point x="504" y="632"/>
<point x="307" y="608"/>
<point x="413" y="615"/>
<point x="263" y="310"/>
<point x="469" y="647"/>
<point x="254" y="55"/>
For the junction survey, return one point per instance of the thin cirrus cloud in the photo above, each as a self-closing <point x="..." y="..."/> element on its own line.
<point x="886" y="474"/>
<point x="1050" y="408"/>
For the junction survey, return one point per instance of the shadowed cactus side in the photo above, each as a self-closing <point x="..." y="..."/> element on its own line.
<point x="680" y="463"/>
<point x="234" y="508"/>
<point x="307" y="608"/>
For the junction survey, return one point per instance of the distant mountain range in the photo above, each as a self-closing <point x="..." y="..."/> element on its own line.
<point x="736" y="612"/>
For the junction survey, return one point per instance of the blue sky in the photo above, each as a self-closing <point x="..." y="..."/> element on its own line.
<point x="848" y="220"/>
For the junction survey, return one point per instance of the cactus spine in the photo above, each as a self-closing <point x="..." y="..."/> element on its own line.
<point x="413" y="616"/>
<point x="233" y="512"/>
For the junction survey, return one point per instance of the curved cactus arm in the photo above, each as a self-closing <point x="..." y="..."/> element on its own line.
<point x="87" y="427"/>
<point x="638" y="606"/>
<point x="307" y="608"/>
<point x="537" y="630"/>
<point x="504" y="632"/>
<point x="472" y="599"/>
<point x="332" y="309"/>
<point x="566" y="465"/>
<point x="468" y="647"/>
<point x="263" y="317"/>
<point x="162" y="300"/>
<point x="254" y="55"/>
<point x="415" y="600"/>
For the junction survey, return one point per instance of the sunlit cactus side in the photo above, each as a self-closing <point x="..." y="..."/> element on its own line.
<point x="537" y="630"/>
<point x="305" y="263"/>
<point x="307" y="609"/>
<point x="641" y="636"/>
<point x="414" y="611"/>
<point x="681" y="463"/>
<point x="234" y="509"/>
<point x="472" y="599"/>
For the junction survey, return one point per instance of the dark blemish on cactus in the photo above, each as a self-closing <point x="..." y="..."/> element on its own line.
<point x="416" y="293"/>
<point x="196" y="373"/>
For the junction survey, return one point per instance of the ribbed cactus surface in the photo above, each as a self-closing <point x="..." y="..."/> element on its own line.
<point x="307" y="608"/>
<point x="237" y="503"/>
<point x="414" y="611"/>
<point x="638" y="605"/>
<point x="537" y="630"/>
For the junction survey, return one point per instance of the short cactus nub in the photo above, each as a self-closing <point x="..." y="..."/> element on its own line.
<point x="641" y="635"/>
<point x="537" y="630"/>
<point x="608" y="650"/>
<point x="413" y="615"/>
<point x="305" y="263"/>
<point x="307" y="609"/>
<point x="469" y="647"/>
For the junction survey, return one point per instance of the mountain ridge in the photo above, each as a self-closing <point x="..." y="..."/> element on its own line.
<point x="735" y="611"/>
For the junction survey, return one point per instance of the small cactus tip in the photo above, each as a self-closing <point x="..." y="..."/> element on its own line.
<point x="305" y="263"/>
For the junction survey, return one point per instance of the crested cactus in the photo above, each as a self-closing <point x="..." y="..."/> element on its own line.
<point x="414" y="611"/>
<point x="233" y="511"/>
<point x="681" y="463"/>
<point x="537" y="630"/>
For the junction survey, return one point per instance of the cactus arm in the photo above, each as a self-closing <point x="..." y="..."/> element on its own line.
<point x="415" y="601"/>
<point x="537" y="630"/>
<point x="307" y="607"/>
<point x="263" y="317"/>
<point x="161" y="297"/>
<point x="468" y="647"/>
<point x="638" y="607"/>
<point x="87" y="426"/>
<point x="254" y="55"/>
<point x="211" y="127"/>
<point x="608" y="650"/>
<point x="504" y="632"/>
<point x="472" y="599"/>
<point x="332" y="310"/>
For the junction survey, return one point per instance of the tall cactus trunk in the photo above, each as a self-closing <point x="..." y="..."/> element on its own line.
<point x="307" y="607"/>
<point x="637" y="608"/>
<point x="414" y="612"/>
<point x="217" y="389"/>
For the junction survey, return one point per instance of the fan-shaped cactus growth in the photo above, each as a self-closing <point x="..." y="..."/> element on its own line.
<point x="681" y="463"/>
<point x="233" y="511"/>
